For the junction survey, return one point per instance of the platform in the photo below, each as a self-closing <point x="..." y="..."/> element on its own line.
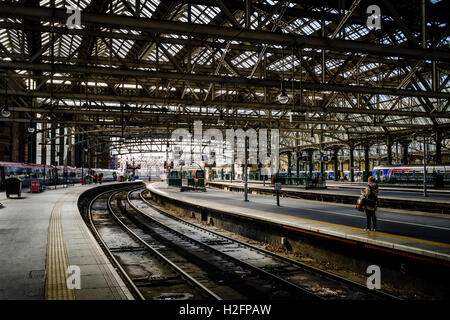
<point x="438" y="202"/>
<point x="419" y="233"/>
<point x="42" y="234"/>
<point x="331" y="184"/>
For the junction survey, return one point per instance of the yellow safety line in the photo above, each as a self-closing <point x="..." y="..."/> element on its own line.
<point x="56" y="264"/>
<point x="434" y="215"/>
<point x="440" y="216"/>
<point x="440" y="244"/>
<point x="434" y="243"/>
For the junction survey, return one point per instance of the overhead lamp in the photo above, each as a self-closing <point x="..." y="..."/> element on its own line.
<point x="31" y="130"/>
<point x="5" y="112"/>
<point x="283" y="98"/>
<point x="221" y="120"/>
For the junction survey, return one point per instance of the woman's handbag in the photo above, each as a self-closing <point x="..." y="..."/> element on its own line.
<point x="360" y="203"/>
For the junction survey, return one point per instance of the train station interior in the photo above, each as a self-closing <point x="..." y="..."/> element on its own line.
<point x="245" y="150"/>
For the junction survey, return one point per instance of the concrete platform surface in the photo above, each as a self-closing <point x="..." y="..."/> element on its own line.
<point x="441" y="196"/>
<point x="420" y="233"/>
<point x="41" y="235"/>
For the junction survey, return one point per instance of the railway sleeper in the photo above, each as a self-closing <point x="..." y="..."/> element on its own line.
<point x="127" y="249"/>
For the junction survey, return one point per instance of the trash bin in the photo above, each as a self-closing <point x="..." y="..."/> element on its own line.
<point x="35" y="186"/>
<point x="13" y="186"/>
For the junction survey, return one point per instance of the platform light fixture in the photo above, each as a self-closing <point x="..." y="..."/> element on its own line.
<point x="31" y="130"/>
<point x="5" y="111"/>
<point x="221" y="120"/>
<point x="283" y="98"/>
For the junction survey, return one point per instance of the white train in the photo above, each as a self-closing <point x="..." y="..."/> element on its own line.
<point x="410" y="173"/>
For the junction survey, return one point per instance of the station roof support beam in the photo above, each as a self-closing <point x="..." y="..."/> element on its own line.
<point x="269" y="83"/>
<point x="196" y="103"/>
<point x="228" y="33"/>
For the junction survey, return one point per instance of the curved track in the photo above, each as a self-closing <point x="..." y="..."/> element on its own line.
<point x="163" y="257"/>
<point x="147" y="273"/>
<point x="286" y="273"/>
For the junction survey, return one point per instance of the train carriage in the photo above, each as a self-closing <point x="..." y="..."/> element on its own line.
<point x="412" y="174"/>
<point x="26" y="172"/>
<point x="50" y="175"/>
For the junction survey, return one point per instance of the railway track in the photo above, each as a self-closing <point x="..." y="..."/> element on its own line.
<point x="153" y="267"/>
<point x="314" y="282"/>
<point x="163" y="257"/>
<point x="147" y="273"/>
<point x="222" y="274"/>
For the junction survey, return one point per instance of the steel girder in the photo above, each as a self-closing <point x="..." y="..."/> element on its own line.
<point x="228" y="33"/>
<point x="127" y="98"/>
<point x="218" y="79"/>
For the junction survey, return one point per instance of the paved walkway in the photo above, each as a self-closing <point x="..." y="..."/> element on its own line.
<point x="41" y="235"/>
<point x="441" y="196"/>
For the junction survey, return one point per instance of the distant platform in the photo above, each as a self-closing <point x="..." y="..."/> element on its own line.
<point x="437" y="202"/>
<point x="390" y="190"/>
<point x="41" y="235"/>
<point x="420" y="233"/>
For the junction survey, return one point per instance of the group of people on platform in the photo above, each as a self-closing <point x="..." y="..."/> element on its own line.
<point x="98" y="178"/>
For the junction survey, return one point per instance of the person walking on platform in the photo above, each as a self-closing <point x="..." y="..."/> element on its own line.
<point x="95" y="178"/>
<point x="100" y="178"/>
<point x="370" y="194"/>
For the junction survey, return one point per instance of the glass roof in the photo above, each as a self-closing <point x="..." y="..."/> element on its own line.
<point x="173" y="50"/>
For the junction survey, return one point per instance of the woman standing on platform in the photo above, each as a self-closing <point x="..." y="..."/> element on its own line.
<point x="370" y="194"/>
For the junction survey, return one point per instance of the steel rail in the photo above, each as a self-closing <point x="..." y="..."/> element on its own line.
<point x="276" y="279"/>
<point x="161" y="257"/>
<point x="111" y="257"/>
<point x="279" y="257"/>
